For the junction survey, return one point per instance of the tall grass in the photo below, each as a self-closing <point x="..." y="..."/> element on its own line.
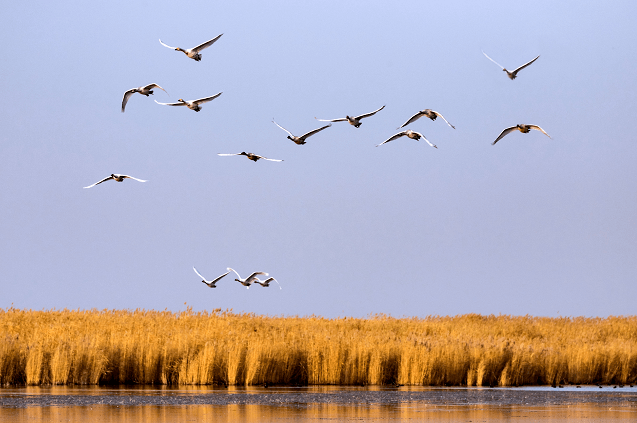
<point x="150" y="347"/>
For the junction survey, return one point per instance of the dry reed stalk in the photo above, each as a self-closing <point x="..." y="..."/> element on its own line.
<point x="60" y="365"/>
<point x="35" y="357"/>
<point x="63" y="346"/>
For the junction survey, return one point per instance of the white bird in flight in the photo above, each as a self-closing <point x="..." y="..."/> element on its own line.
<point x="146" y="90"/>
<point x="116" y="177"/>
<point x="193" y="104"/>
<point x="266" y="283"/>
<point x="511" y="74"/>
<point x="253" y="157"/>
<point x="301" y="140"/>
<point x="211" y="283"/>
<point x="193" y="53"/>
<point x="409" y="133"/>
<point x="356" y="120"/>
<point x="249" y="280"/>
<point x="427" y="112"/>
<point x="522" y="128"/>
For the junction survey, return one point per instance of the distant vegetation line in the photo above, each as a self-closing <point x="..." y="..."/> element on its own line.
<point x="224" y="348"/>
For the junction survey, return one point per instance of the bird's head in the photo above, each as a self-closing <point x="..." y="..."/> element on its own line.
<point x="290" y="138"/>
<point x="181" y="100"/>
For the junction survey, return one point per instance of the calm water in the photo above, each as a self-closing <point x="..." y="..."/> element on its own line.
<point x="314" y="404"/>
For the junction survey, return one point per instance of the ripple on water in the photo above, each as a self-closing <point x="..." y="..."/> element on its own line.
<point x="143" y="404"/>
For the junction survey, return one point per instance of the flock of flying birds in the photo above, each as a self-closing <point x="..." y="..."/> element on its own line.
<point x="253" y="278"/>
<point x="195" y="54"/>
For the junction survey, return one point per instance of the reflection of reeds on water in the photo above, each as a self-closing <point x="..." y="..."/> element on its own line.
<point x="150" y="347"/>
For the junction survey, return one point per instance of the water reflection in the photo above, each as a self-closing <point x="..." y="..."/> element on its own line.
<point x="314" y="404"/>
<point x="322" y="413"/>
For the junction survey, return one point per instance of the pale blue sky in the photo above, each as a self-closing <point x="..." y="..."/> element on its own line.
<point x="531" y="225"/>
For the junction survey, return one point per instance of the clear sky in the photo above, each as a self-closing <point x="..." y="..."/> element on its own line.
<point x="531" y="225"/>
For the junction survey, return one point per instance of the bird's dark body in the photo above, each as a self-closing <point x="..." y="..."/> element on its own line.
<point x="250" y="156"/>
<point x="353" y="121"/>
<point x="431" y="115"/>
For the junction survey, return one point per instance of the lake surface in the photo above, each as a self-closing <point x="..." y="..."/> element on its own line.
<point x="317" y="404"/>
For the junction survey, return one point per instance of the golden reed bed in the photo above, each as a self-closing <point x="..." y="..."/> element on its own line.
<point x="151" y="347"/>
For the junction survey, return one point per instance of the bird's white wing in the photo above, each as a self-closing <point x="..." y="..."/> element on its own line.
<point x="151" y="86"/>
<point x="493" y="60"/>
<point x="525" y="65"/>
<point x="272" y="160"/>
<point x="443" y="118"/>
<point x="412" y="119"/>
<point x="171" y="104"/>
<point x="282" y="127"/>
<point x="539" y="129"/>
<point x="131" y="177"/>
<point x="426" y="140"/>
<point x="230" y="268"/>
<point x="332" y="120"/>
<point x="309" y="134"/>
<point x="206" y="99"/>
<point x="394" y="137"/>
<point x="206" y="44"/>
<point x="228" y="154"/>
<point x="99" y="182"/>
<point x="218" y="278"/>
<point x="369" y="114"/>
<point x="127" y="94"/>
<point x="254" y="275"/>
<point x="166" y="45"/>
<point x="504" y="133"/>
<point x="199" y="274"/>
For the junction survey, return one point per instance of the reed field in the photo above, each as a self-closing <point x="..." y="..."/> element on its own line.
<point x="224" y="348"/>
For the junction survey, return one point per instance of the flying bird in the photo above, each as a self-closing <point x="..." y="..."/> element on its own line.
<point x="250" y="156"/>
<point x="427" y="112"/>
<point x="512" y="75"/>
<point x="409" y="133"/>
<point x="249" y="280"/>
<point x="117" y="177"/>
<point x="193" y="53"/>
<point x="266" y="283"/>
<point x="211" y="283"/>
<point x="356" y="120"/>
<point x="146" y="90"/>
<point x="301" y="140"/>
<point x="522" y="128"/>
<point x="193" y="104"/>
